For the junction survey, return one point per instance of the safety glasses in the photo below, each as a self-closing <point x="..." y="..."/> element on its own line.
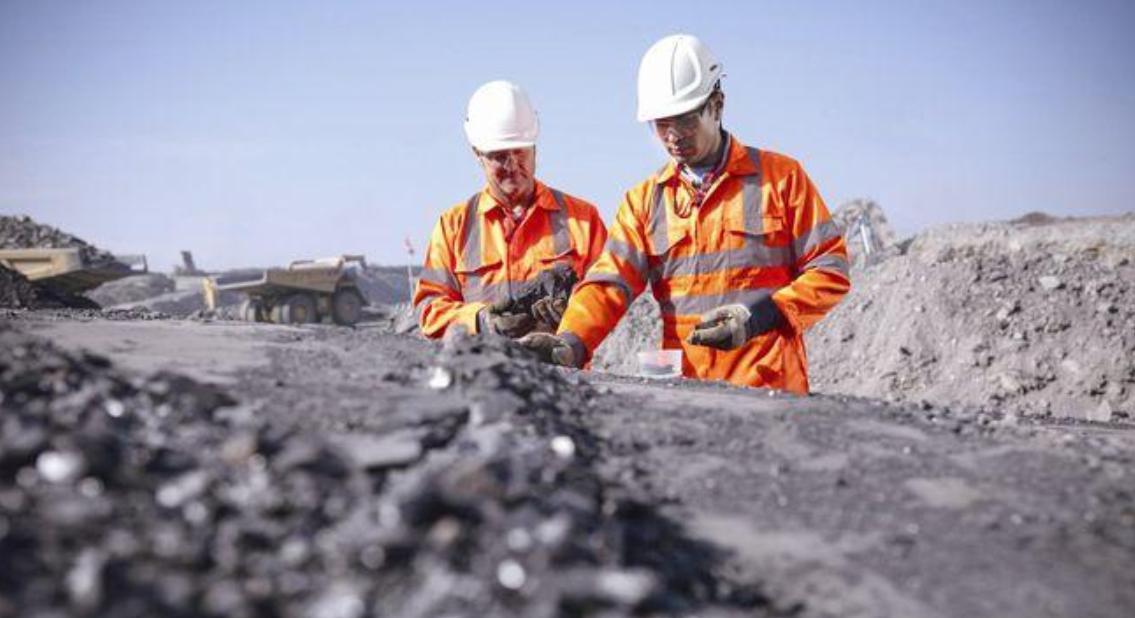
<point x="501" y="158"/>
<point x="683" y="124"/>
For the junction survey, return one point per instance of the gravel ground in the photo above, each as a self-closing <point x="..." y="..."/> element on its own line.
<point x="377" y="474"/>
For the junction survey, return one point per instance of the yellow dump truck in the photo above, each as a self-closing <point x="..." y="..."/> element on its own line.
<point x="304" y="292"/>
<point x="63" y="270"/>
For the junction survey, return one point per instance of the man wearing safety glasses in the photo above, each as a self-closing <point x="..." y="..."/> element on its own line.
<point x="735" y="243"/>
<point x="483" y="249"/>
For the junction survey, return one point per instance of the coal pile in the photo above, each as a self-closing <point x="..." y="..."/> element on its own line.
<point x="144" y="495"/>
<point x="21" y="232"/>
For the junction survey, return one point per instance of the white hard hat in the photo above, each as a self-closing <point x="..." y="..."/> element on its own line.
<point x="500" y="117"/>
<point x="676" y="75"/>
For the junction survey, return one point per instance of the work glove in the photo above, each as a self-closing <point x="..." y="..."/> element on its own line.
<point x="550" y="348"/>
<point x="500" y="318"/>
<point x="548" y="312"/>
<point x="729" y="326"/>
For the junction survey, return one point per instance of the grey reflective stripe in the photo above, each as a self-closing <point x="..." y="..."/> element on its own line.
<point x="475" y="291"/>
<point x="577" y="346"/>
<point x="699" y="304"/>
<point x="751" y="194"/>
<point x="420" y="307"/>
<point x="818" y="235"/>
<point x="657" y="225"/>
<point x="829" y="262"/>
<point x="629" y="253"/>
<point x="440" y="276"/>
<point x="614" y="279"/>
<point x="754" y="254"/>
<point x="558" y="220"/>
<point x="471" y="246"/>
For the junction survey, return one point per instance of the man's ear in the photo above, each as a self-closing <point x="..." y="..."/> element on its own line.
<point x="719" y="105"/>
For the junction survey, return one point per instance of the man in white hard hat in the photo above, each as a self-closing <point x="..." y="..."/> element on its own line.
<point x="735" y="242"/>
<point x="515" y="227"/>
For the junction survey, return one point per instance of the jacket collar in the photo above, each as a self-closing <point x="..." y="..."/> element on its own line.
<point x="737" y="162"/>
<point x="542" y="198"/>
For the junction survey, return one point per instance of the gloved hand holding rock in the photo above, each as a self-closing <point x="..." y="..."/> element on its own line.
<point x="501" y="318"/>
<point x="548" y="312"/>
<point x="729" y="326"/>
<point x="551" y="348"/>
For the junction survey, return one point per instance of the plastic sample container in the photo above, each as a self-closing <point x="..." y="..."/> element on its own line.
<point x="660" y="364"/>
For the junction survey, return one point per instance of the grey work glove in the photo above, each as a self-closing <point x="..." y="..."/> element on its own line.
<point x="550" y="348"/>
<point x="728" y="327"/>
<point x="548" y="312"/>
<point x="499" y="318"/>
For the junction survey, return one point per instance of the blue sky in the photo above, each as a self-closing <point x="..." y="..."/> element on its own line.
<point x="253" y="133"/>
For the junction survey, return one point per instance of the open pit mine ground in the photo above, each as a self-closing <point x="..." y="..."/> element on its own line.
<point x="188" y="467"/>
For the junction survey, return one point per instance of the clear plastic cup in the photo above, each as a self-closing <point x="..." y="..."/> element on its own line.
<point x="660" y="364"/>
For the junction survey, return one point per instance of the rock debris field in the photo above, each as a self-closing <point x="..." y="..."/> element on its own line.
<point x="156" y="465"/>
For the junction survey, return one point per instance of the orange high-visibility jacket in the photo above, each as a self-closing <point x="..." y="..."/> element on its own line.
<point x="762" y="229"/>
<point x="470" y="262"/>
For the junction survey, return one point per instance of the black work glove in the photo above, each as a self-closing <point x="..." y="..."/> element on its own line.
<point x="728" y="327"/>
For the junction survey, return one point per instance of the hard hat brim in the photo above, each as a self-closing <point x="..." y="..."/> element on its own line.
<point x="496" y="145"/>
<point x="674" y="109"/>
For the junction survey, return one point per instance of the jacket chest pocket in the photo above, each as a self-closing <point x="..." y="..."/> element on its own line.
<point x="481" y="282"/>
<point x="766" y="243"/>
<point x="566" y="256"/>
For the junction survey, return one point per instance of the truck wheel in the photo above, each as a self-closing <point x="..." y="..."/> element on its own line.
<point x="297" y="309"/>
<point x="250" y="311"/>
<point x="346" y="307"/>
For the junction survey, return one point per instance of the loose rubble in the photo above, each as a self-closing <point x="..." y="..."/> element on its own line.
<point x="1035" y="316"/>
<point x="141" y="495"/>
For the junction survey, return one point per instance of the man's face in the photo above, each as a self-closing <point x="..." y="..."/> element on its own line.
<point x="691" y="138"/>
<point x="510" y="173"/>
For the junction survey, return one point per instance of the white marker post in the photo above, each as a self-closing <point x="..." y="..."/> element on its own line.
<point x="409" y="266"/>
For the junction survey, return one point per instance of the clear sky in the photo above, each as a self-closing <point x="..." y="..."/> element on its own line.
<point x="253" y="133"/>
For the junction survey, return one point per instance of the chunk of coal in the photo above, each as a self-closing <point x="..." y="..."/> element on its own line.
<point x="556" y="282"/>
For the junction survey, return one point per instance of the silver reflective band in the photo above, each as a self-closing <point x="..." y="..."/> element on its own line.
<point x="475" y="291"/>
<point x="629" y="254"/>
<point x="558" y="221"/>
<point x="657" y="225"/>
<point x="830" y="262"/>
<point x="613" y="279"/>
<point x="697" y="305"/>
<point x="751" y="196"/>
<point x="471" y="247"/>
<point x="440" y="276"/>
<point x="819" y="234"/>
<point x="754" y="254"/>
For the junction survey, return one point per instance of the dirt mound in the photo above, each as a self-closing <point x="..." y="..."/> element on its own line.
<point x="132" y="289"/>
<point x="21" y="232"/>
<point x="1033" y="318"/>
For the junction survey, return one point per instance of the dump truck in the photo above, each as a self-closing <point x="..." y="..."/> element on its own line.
<point x="306" y="291"/>
<point x="63" y="270"/>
